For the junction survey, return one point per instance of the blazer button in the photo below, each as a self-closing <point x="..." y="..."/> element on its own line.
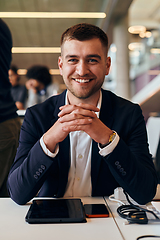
<point x="43" y="167"/>
<point x="121" y="169"/>
<point x="35" y="176"/>
<point x="119" y="166"/>
<point x="116" y="163"/>
<point x="38" y="173"/>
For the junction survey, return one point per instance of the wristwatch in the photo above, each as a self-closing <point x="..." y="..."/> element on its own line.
<point x="111" y="137"/>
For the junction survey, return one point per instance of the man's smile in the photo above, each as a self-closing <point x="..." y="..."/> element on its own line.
<point x="82" y="80"/>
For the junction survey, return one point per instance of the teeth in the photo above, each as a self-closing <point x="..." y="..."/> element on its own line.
<point x="82" y="80"/>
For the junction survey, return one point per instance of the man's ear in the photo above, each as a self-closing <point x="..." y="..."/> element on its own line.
<point x="60" y="64"/>
<point x="108" y="64"/>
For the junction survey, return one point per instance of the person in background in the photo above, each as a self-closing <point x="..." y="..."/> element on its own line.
<point x="18" y="91"/>
<point x="157" y="161"/>
<point x="9" y="120"/>
<point x="86" y="141"/>
<point x="39" y="85"/>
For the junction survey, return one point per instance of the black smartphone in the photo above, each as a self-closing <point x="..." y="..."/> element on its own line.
<point x="96" y="210"/>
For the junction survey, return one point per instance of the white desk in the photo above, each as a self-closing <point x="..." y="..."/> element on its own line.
<point x="132" y="231"/>
<point x="14" y="227"/>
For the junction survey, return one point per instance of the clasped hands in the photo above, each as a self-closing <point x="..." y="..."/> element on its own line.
<point x="81" y="117"/>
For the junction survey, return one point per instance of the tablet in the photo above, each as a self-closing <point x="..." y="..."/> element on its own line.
<point x="56" y="211"/>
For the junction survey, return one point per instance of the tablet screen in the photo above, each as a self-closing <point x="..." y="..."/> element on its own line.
<point x="56" y="210"/>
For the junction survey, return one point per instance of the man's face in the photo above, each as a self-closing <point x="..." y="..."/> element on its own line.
<point x="13" y="77"/>
<point x="35" y="85"/>
<point x="83" y="65"/>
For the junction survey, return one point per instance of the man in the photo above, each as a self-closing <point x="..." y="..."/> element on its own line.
<point x="85" y="141"/>
<point x="39" y="85"/>
<point x="9" y="121"/>
<point x="18" y="91"/>
<point x="157" y="161"/>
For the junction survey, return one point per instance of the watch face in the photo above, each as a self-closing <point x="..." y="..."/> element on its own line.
<point x="112" y="136"/>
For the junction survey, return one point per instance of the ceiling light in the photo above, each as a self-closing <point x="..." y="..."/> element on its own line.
<point x="54" y="71"/>
<point x="51" y="71"/>
<point x="155" y="50"/>
<point x="142" y="34"/>
<point x="136" y="29"/>
<point x="113" y="49"/>
<point x="146" y="34"/>
<point x="135" y="46"/>
<point x="36" y="49"/>
<point x="52" y="15"/>
<point x="22" y="71"/>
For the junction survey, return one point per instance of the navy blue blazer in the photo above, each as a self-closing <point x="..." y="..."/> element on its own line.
<point x="129" y="165"/>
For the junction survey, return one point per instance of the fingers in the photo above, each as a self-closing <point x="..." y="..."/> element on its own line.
<point x="76" y="114"/>
<point x="83" y="109"/>
<point x="77" y="117"/>
<point x="76" y="124"/>
<point x="74" y="128"/>
<point x="82" y="105"/>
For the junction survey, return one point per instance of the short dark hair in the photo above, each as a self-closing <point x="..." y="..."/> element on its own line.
<point x="85" y="31"/>
<point x="40" y="73"/>
<point x="14" y="69"/>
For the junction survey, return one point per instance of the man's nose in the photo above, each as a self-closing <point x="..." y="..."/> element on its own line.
<point x="82" y="68"/>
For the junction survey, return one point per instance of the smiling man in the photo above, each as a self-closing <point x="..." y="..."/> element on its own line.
<point x="83" y="65"/>
<point x="86" y="141"/>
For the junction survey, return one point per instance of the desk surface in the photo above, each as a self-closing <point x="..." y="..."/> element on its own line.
<point x="13" y="225"/>
<point x="132" y="231"/>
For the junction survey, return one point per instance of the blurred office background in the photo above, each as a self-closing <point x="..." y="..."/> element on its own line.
<point x="133" y="28"/>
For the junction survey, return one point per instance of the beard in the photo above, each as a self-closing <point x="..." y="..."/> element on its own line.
<point x="84" y="92"/>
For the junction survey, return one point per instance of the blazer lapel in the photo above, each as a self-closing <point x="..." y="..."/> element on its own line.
<point x="107" y="118"/>
<point x="106" y="112"/>
<point x="60" y="101"/>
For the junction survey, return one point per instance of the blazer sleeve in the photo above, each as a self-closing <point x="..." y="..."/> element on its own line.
<point x="31" y="164"/>
<point x="130" y="162"/>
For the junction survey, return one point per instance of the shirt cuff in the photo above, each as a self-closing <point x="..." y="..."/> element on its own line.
<point x="46" y="150"/>
<point x="109" y="148"/>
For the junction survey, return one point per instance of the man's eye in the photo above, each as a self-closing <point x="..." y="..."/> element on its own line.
<point x="93" y="60"/>
<point x="72" y="60"/>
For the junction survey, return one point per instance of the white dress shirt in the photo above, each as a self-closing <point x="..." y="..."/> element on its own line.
<point x="79" y="176"/>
